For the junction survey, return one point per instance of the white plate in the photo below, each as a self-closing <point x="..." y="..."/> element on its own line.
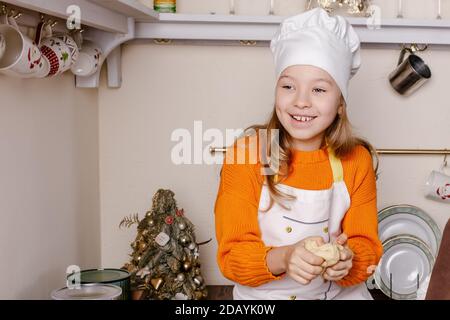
<point x="406" y="263"/>
<point x="407" y="219"/>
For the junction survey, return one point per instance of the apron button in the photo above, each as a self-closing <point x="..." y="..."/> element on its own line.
<point x="292" y="297"/>
<point x="325" y="229"/>
<point x="288" y="229"/>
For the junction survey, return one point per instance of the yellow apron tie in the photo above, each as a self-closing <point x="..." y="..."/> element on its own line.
<point x="336" y="166"/>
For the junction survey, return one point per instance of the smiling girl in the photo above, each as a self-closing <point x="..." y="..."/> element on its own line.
<point x="324" y="188"/>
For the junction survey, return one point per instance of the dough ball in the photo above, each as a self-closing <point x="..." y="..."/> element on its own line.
<point x="330" y="252"/>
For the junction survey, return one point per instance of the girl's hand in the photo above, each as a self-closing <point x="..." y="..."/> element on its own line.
<point x="302" y="265"/>
<point x="342" y="268"/>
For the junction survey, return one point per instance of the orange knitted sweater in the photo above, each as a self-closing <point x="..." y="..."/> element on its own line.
<point x="241" y="253"/>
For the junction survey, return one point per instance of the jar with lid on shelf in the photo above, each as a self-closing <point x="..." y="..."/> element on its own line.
<point x="165" y="6"/>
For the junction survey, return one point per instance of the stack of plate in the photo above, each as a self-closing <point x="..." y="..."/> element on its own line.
<point x="411" y="241"/>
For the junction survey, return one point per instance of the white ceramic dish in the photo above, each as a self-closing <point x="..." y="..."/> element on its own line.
<point x="406" y="263"/>
<point x="407" y="219"/>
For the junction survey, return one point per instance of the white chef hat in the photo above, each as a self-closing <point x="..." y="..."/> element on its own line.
<point x="317" y="39"/>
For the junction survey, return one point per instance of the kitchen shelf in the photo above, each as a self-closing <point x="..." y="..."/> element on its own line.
<point x="113" y="22"/>
<point x="262" y="28"/>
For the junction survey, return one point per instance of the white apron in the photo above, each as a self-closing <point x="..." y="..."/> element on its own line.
<point x="313" y="213"/>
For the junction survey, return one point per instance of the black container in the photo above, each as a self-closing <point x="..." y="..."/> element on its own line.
<point x="118" y="277"/>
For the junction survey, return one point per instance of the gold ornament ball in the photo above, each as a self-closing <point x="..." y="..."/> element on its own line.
<point x="182" y="226"/>
<point x="180" y="277"/>
<point x="198" y="280"/>
<point x="183" y="239"/>
<point x="151" y="223"/>
<point x="198" y="295"/>
<point x="191" y="246"/>
<point x="187" y="265"/>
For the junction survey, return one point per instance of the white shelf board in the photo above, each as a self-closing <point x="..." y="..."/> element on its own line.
<point x="131" y="8"/>
<point x="262" y="28"/>
<point x="92" y="14"/>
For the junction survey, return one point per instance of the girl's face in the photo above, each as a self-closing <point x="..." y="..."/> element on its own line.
<point x="307" y="101"/>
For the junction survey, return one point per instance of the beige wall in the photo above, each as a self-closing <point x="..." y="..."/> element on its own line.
<point x="49" y="184"/>
<point x="61" y="146"/>
<point x="166" y="87"/>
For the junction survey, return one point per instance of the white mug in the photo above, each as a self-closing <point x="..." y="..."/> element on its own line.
<point x="60" y="50"/>
<point x="21" y="58"/>
<point x="89" y="60"/>
<point x="438" y="186"/>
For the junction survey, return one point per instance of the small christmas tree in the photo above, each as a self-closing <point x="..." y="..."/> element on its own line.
<point x="164" y="263"/>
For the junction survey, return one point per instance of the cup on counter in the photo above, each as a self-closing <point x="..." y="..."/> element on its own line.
<point x="252" y="7"/>
<point x="21" y="56"/>
<point x="437" y="186"/>
<point x="89" y="59"/>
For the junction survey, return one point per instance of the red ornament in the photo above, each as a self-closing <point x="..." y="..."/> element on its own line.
<point x="169" y="219"/>
<point x="180" y="213"/>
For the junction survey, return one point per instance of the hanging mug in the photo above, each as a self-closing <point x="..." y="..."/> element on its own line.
<point x="89" y="60"/>
<point x="437" y="185"/>
<point x="60" y="50"/>
<point x="21" y="57"/>
<point x="411" y="73"/>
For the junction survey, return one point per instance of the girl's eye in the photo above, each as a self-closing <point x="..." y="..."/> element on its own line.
<point x="319" y="90"/>
<point x="287" y="87"/>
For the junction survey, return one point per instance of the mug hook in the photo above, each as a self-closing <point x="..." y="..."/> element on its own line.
<point x="402" y="54"/>
<point x="415" y="47"/>
<point x="444" y="163"/>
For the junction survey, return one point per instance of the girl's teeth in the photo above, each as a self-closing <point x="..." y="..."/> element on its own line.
<point x="302" y="119"/>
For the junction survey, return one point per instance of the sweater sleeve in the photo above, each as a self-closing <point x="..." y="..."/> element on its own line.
<point x="360" y="223"/>
<point x="241" y="252"/>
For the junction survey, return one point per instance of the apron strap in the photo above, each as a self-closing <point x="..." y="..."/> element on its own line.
<point x="336" y="166"/>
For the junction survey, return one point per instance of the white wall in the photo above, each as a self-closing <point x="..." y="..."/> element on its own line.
<point x="49" y="207"/>
<point x="166" y="87"/>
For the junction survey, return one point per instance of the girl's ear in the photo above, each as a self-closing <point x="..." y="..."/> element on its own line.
<point x="341" y="106"/>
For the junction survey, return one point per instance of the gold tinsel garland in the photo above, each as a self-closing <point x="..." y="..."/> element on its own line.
<point x="352" y="6"/>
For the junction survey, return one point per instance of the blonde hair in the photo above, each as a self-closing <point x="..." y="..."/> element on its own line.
<point x="338" y="136"/>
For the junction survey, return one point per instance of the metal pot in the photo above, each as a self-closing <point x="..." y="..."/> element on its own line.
<point x="117" y="277"/>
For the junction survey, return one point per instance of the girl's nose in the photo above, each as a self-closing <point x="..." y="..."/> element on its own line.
<point x="303" y="99"/>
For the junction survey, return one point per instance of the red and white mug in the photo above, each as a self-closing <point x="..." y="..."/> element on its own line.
<point x="21" y="56"/>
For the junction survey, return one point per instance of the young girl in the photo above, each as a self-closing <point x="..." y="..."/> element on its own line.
<point x="324" y="188"/>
